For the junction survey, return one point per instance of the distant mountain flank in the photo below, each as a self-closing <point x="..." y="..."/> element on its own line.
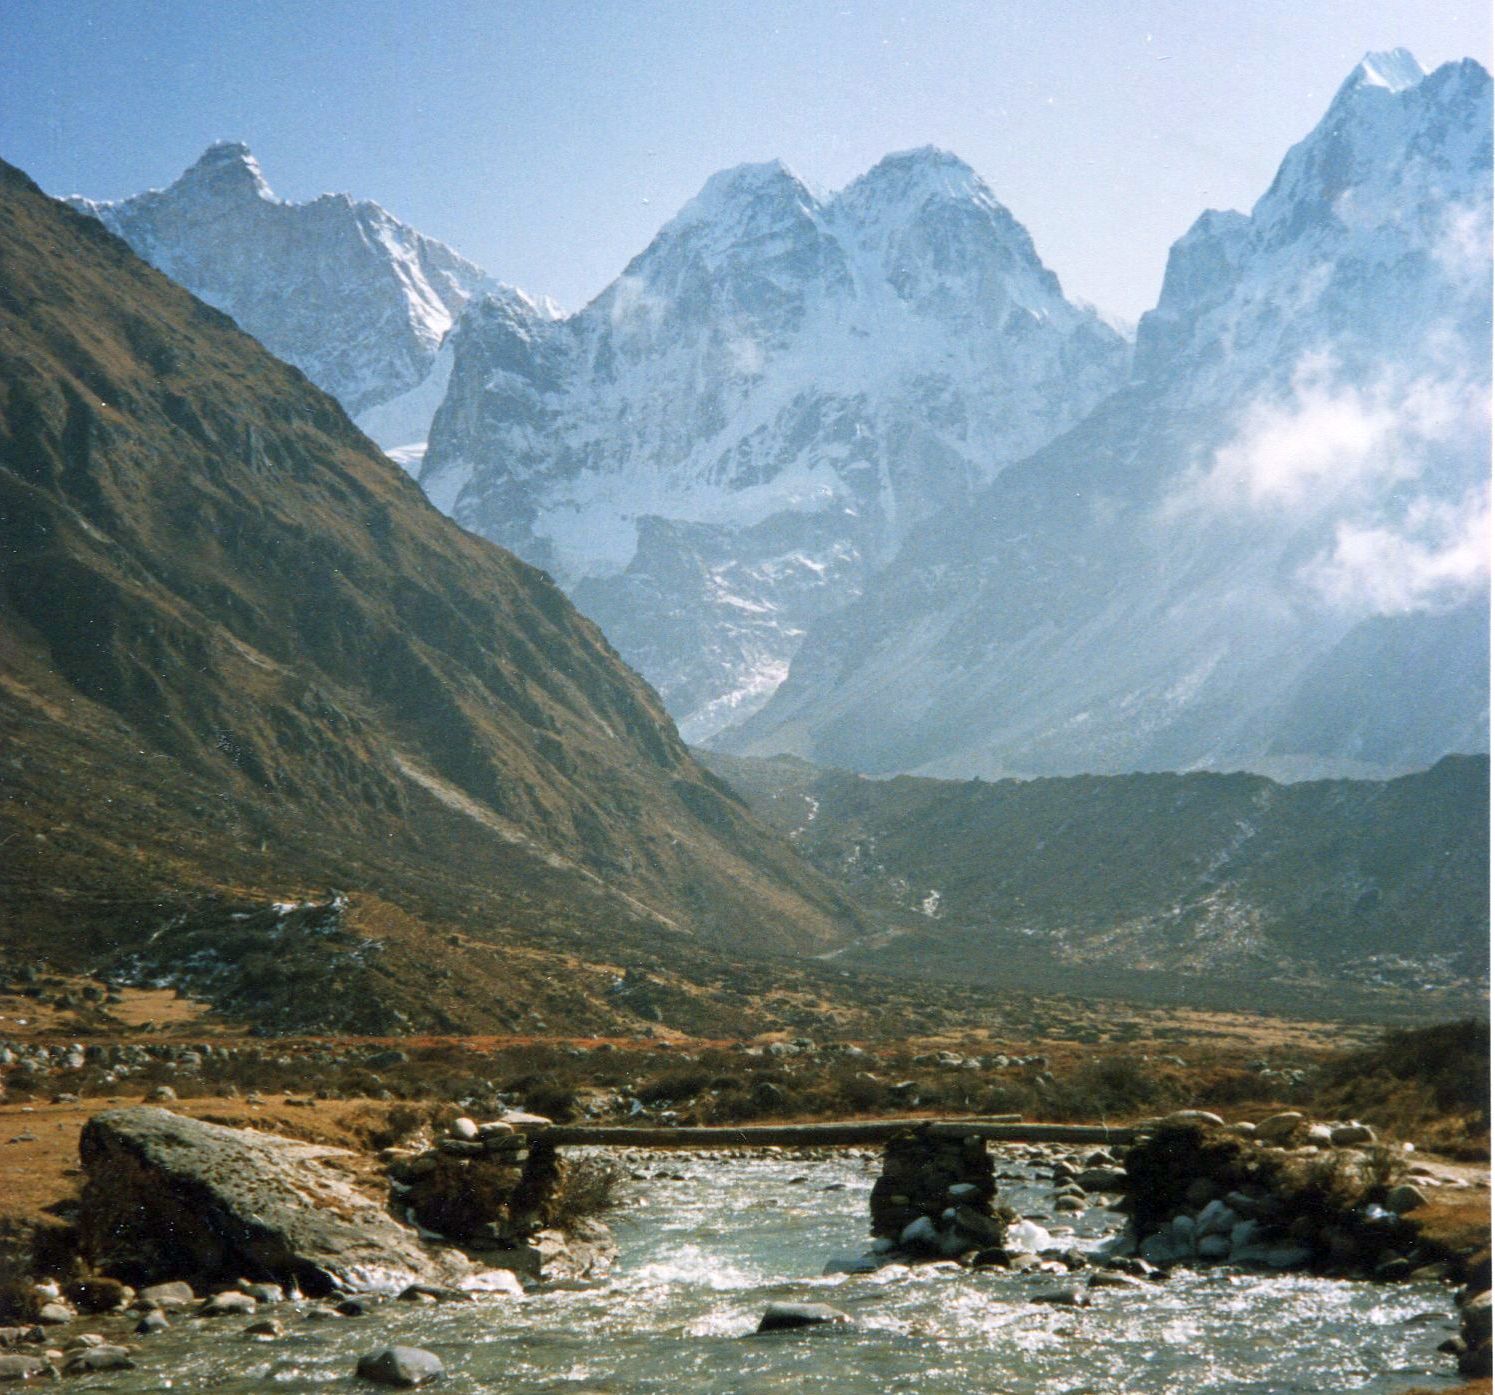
<point x="245" y="662"/>
<point x="1205" y="889"/>
<point x="1269" y="550"/>
<point x="356" y="299"/>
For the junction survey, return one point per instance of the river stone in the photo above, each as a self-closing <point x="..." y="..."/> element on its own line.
<point x="1102" y="1179"/>
<point x="168" y="1296"/>
<point x="1193" y="1116"/>
<point x="1347" y="1135"/>
<point x="54" y="1314"/>
<point x="919" y="1233"/>
<point x="263" y="1293"/>
<point x="153" y="1322"/>
<point x="14" y="1366"/>
<point x="400" y="1366"/>
<point x="779" y="1317"/>
<point x="178" y="1195"/>
<point x="1063" y="1298"/>
<point x="100" y="1358"/>
<point x="267" y="1327"/>
<point x="1279" y="1127"/>
<point x="1403" y="1198"/>
<point x="229" y="1304"/>
<point x="465" y="1129"/>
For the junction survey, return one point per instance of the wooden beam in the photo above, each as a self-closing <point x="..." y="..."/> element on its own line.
<point x="841" y="1134"/>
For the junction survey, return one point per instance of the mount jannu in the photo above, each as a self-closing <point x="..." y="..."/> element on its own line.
<point x="242" y="654"/>
<point x="1270" y="549"/>
<point x="353" y="297"/>
<point x="773" y="397"/>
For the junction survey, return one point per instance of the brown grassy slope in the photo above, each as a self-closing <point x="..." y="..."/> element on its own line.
<point x="239" y="651"/>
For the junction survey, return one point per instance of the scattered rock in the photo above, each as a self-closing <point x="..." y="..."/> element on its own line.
<point x="17" y="1367"/>
<point x="168" y="1296"/>
<point x="230" y="1303"/>
<point x="153" y="1322"/>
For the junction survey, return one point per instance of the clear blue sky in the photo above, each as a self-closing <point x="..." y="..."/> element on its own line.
<point x="549" y="139"/>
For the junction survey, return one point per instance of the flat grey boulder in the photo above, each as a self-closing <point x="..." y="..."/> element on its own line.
<point x="401" y="1366"/>
<point x="16" y="1367"/>
<point x="167" y="1195"/>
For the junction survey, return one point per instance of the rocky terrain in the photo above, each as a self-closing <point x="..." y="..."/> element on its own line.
<point x="1192" y="888"/>
<point x="1268" y="550"/>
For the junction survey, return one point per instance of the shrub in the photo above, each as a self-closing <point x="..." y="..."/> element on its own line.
<point x="588" y="1189"/>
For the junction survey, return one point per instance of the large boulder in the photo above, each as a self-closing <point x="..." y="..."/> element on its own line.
<point x="168" y="1197"/>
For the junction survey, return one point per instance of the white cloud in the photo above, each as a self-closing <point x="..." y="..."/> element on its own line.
<point x="1384" y="484"/>
<point x="1438" y="553"/>
<point x="1330" y="441"/>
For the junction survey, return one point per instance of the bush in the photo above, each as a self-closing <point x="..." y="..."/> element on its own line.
<point x="588" y="1190"/>
<point x="552" y="1099"/>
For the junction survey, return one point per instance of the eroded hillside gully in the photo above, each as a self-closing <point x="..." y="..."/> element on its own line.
<point x="1184" y="1256"/>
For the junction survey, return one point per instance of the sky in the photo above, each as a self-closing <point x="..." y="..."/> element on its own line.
<point x="548" y="140"/>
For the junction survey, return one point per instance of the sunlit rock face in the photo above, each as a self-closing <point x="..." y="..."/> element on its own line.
<point x="772" y="398"/>
<point x="1269" y="550"/>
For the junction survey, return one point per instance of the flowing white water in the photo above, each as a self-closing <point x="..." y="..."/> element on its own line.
<point x="703" y="1256"/>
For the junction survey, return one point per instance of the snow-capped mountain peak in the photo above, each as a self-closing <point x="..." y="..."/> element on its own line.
<point x="227" y="170"/>
<point x="1271" y="550"/>
<point x="909" y="179"/>
<point x="1394" y="69"/>
<point x="356" y="299"/>
<point x="747" y="422"/>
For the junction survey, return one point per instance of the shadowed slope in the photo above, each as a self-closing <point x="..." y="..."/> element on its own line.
<point x="239" y="651"/>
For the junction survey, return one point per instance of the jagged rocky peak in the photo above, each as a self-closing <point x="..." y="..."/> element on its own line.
<point x="1394" y="69"/>
<point x="356" y="299"/>
<point x="909" y="179"/>
<point x="1365" y="229"/>
<point x="226" y="170"/>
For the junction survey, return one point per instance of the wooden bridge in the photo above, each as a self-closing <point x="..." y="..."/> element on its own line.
<point x="836" y="1134"/>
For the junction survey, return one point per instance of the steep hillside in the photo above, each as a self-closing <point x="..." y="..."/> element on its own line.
<point x="1197" y="888"/>
<point x="1270" y="550"/>
<point x="774" y="395"/>
<point x="240" y="654"/>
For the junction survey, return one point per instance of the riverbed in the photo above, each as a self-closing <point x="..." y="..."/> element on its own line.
<point x="712" y="1240"/>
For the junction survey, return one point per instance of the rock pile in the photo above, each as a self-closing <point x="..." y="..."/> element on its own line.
<point x="1199" y="1191"/>
<point x="493" y="1188"/>
<point x="481" y="1184"/>
<point x="937" y="1196"/>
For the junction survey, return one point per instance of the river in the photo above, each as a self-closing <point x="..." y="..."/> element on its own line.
<point x="714" y="1239"/>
